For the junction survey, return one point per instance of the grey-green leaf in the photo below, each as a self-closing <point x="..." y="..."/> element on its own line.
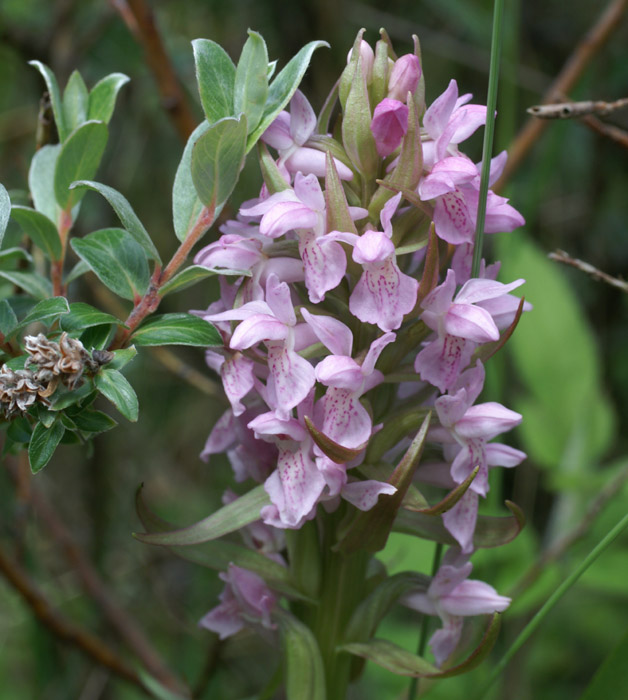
<point x="251" y="80"/>
<point x="75" y="98"/>
<point x="177" y="329"/>
<point x="8" y="319"/>
<point x="102" y="98"/>
<point x="215" y="74"/>
<point x="217" y="159"/>
<point x="116" y="259"/>
<point x="193" y="274"/>
<point x="186" y="206"/>
<point x="304" y="671"/>
<point x="283" y="87"/>
<point x="113" y="385"/>
<point x="36" y="285"/>
<point x="55" y="98"/>
<point x="83" y="316"/>
<point x="78" y="160"/>
<point x="125" y="213"/>
<point x="44" y="442"/>
<point x="5" y="211"/>
<point x="41" y="177"/>
<point x="39" y="229"/>
<point x="241" y="512"/>
<point x="46" y="311"/>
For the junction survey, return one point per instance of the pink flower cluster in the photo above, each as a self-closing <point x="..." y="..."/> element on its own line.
<point x="315" y="308"/>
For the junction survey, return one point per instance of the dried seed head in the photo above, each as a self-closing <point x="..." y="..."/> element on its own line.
<point x="19" y="389"/>
<point x="43" y="352"/>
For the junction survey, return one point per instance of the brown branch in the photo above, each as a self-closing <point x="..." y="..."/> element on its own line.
<point x="63" y="628"/>
<point x="94" y="586"/>
<point x="608" y="130"/>
<point x="582" y="55"/>
<point x="139" y="18"/>
<point x="562" y="257"/>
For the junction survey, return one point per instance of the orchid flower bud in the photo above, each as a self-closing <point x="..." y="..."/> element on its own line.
<point x="366" y="52"/>
<point x="404" y="77"/>
<point x="389" y="125"/>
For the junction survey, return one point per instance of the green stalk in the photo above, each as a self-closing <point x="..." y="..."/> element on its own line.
<point x="425" y="623"/>
<point x="487" y="148"/>
<point x="551" y="602"/>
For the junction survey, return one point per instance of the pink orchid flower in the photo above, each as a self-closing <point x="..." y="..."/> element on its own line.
<point x="289" y="134"/>
<point x="452" y="596"/>
<point x="383" y="294"/>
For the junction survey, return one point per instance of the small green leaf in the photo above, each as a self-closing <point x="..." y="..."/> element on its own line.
<point x="243" y="511"/>
<point x="55" y="98"/>
<point x="94" y="421"/>
<point x="39" y="229"/>
<point x="157" y="689"/>
<point x="41" y="177"/>
<point x="251" y="80"/>
<point x="78" y="160"/>
<point x="304" y="671"/>
<point x="215" y="74"/>
<point x="75" y="98"/>
<point x="283" y="87"/>
<point x="177" y="329"/>
<point x="186" y="206"/>
<point x="85" y="316"/>
<point x="195" y="273"/>
<point x="116" y="259"/>
<point x="114" y="386"/>
<point x="44" y="442"/>
<point x="102" y="98"/>
<point x="79" y="269"/>
<point x="98" y="337"/>
<point x="20" y="430"/>
<point x="36" y="285"/>
<point x="217" y="159"/>
<point x="122" y="357"/>
<point x="46" y="311"/>
<point x="5" y="211"/>
<point x="125" y="213"/>
<point x="8" y="319"/>
<point x="10" y="257"/>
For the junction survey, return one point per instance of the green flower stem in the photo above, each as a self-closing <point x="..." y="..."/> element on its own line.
<point x="342" y="588"/>
<point x="551" y="602"/>
<point x="487" y="148"/>
<point x="425" y="623"/>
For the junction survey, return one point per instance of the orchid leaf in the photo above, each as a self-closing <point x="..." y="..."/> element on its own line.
<point x="304" y="672"/>
<point x="273" y="179"/>
<point x="218" y="554"/>
<point x="79" y="159"/>
<point x="215" y="75"/>
<point x="369" y="529"/>
<point x="336" y="452"/>
<point x="450" y="500"/>
<point x="102" y="98"/>
<point x="404" y="663"/>
<point x="243" y="511"/>
<point x="371" y="610"/>
<point x="282" y="88"/>
<point x="336" y="207"/>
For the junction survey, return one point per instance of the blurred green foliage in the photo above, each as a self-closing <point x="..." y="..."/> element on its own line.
<point x="566" y="368"/>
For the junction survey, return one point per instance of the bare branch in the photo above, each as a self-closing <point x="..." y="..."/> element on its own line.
<point x="562" y="257"/>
